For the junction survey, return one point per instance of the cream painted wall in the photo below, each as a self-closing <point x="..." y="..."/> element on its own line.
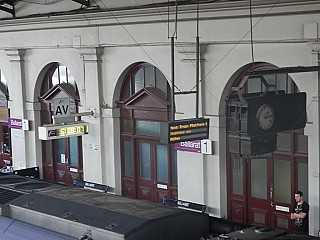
<point x="279" y="40"/>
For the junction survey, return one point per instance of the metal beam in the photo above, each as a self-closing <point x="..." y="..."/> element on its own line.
<point x="298" y="69"/>
<point x="7" y="9"/>
<point x="83" y="2"/>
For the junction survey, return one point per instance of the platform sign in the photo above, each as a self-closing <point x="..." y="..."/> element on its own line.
<point x="18" y="123"/>
<point x="197" y="146"/>
<point x="61" y="107"/>
<point x="184" y="130"/>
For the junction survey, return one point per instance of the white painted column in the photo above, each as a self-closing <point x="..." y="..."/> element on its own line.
<point x="91" y="100"/>
<point x="312" y="130"/>
<point x="16" y="85"/>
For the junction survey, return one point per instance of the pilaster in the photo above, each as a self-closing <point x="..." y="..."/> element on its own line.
<point x="312" y="130"/>
<point x="16" y="85"/>
<point x="91" y="100"/>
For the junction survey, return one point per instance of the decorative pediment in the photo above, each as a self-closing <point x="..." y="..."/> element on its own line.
<point x="147" y="98"/>
<point x="62" y="90"/>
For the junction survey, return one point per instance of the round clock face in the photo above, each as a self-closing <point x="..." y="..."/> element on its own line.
<point x="265" y="117"/>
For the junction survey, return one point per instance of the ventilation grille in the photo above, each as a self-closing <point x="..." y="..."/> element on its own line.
<point x="7" y="195"/>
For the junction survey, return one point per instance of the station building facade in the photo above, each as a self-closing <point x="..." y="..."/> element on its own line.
<point x="116" y="64"/>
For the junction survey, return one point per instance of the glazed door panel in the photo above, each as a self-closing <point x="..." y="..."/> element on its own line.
<point x="281" y="187"/>
<point x="153" y="171"/>
<point x="258" y="192"/>
<point x="146" y="175"/>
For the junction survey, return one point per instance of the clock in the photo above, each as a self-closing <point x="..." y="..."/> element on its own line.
<point x="265" y="117"/>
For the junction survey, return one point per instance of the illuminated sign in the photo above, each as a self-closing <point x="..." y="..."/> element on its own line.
<point x="62" y="131"/>
<point x="184" y="130"/>
<point x="67" y="131"/>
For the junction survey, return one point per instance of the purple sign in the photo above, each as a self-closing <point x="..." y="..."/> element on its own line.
<point x="16" y="123"/>
<point x="189" y="146"/>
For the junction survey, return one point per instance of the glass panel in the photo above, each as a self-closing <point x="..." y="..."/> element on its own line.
<point x="145" y="169"/>
<point x="71" y="80"/>
<point x="162" y="163"/>
<point x="74" y="151"/>
<point x="282" y="82"/>
<point x="259" y="178"/>
<point x="128" y="158"/>
<point x="237" y="176"/>
<point x="127" y="126"/>
<point x="61" y="157"/>
<point x="126" y="92"/>
<point x="271" y="79"/>
<point x="161" y="82"/>
<point x="149" y="77"/>
<point x="284" y="142"/>
<point x="174" y="172"/>
<point x="148" y="128"/>
<point x="303" y="179"/>
<point x="63" y="74"/>
<point x="55" y="78"/>
<point x="282" y="181"/>
<point x="302" y="144"/>
<point x="6" y="140"/>
<point x="254" y="85"/>
<point x="47" y="151"/>
<point x="138" y="80"/>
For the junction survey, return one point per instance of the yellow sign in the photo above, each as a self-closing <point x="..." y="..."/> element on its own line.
<point x="4" y="113"/>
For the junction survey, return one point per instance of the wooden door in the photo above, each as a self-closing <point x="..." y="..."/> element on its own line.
<point x="67" y="160"/>
<point x="153" y="171"/>
<point x="270" y="192"/>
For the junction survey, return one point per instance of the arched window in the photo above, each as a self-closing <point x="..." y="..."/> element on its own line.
<point x="149" y="168"/>
<point x="257" y="182"/>
<point x="57" y="74"/>
<point x="62" y="158"/>
<point x="141" y="76"/>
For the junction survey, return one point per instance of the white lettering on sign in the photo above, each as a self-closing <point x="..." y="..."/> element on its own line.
<point x="190" y="144"/>
<point x="89" y="185"/>
<point x="16" y="123"/>
<point x="61" y="107"/>
<point x="183" y="204"/>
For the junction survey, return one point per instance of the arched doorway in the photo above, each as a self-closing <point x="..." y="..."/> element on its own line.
<point x="261" y="188"/>
<point x="148" y="168"/>
<point x="61" y="158"/>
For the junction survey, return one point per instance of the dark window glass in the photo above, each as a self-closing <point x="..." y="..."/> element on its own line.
<point x="128" y="158"/>
<point x="302" y="144"/>
<point x="148" y="128"/>
<point x="74" y="154"/>
<point x="138" y="80"/>
<point x="284" y="142"/>
<point x="60" y="150"/>
<point x="127" y="125"/>
<point x="162" y="163"/>
<point x="145" y="168"/>
<point x="149" y="76"/>
<point x="237" y="176"/>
